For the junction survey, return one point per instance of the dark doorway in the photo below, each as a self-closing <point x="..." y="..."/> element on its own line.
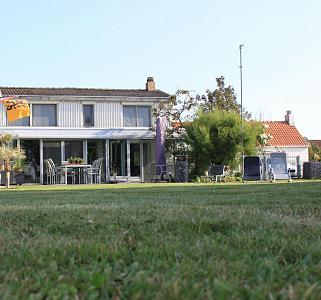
<point x="134" y="160"/>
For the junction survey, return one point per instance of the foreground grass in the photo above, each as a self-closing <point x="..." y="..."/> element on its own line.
<point x="205" y="241"/>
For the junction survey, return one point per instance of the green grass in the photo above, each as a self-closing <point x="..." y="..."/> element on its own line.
<point x="159" y="241"/>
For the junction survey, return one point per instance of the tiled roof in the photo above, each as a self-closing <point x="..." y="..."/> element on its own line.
<point x="315" y="142"/>
<point x="284" y="134"/>
<point x="80" y="92"/>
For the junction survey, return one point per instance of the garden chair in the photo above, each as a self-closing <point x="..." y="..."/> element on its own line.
<point x="217" y="172"/>
<point x="50" y="172"/>
<point x="253" y="169"/>
<point x="94" y="172"/>
<point x="59" y="173"/>
<point x="164" y="175"/>
<point x="278" y="167"/>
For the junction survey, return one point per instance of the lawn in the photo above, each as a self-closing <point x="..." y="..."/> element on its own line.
<point x="161" y="241"/>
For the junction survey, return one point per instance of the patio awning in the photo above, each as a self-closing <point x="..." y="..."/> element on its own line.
<point x="62" y="133"/>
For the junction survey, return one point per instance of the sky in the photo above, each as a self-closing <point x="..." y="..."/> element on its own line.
<point x="183" y="44"/>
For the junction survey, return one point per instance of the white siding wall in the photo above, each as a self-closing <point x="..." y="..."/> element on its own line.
<point x="303" y="152"/>
<point x="108" y="114"/>
<point x="2" y="115"/>
<point x="70" y="114"/>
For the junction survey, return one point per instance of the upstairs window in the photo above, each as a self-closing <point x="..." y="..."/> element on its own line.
<point x="44" y="115"/>
<point x="88" y="111"/>
<point x="20" y="122"/>
<point x="137" y="116"/>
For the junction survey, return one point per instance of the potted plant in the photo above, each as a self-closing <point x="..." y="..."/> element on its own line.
<point x="8" y="155"/>
<point x="18" y="169"/>
<point x="75" y="160"/>
<point x="71" y="160"/>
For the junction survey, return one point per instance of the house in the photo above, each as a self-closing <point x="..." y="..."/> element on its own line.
<point x="315" y="143"/>
<point x="285" y="137"/>
<point x="113" y="124"/>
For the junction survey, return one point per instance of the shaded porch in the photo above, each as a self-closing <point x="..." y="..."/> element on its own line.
<point x="129" y="160"/>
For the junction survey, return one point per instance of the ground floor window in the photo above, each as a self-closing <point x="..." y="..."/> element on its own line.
<point x="73" y="149"/>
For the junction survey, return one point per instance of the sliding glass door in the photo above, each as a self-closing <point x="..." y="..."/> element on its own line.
<point x="52" y="149"/>
<point x="96" y="150"/>
<point x="32" y="160"/>
<point x="118" y="157"/>
<point x="135" y="159"/>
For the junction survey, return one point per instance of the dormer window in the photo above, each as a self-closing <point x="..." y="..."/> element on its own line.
<point x="137" y="116"/>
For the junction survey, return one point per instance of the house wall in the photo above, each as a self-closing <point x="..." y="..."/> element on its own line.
<point x="303" y="152"/>
<point x="2" y="115"/>
<point x="108" y="112"/>
<point x="70" y="114"/>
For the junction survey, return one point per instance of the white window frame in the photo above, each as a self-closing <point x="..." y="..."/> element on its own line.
<point x="94" y="114"/>
<point x="47" y="103"/>
<point x="138" y="105"/>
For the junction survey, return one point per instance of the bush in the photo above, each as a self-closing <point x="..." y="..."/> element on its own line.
<point x="216" y="138"/>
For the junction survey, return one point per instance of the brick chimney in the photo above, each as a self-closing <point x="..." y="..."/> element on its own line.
<point x="150" y="84"/>
<point x="289" y="118"/>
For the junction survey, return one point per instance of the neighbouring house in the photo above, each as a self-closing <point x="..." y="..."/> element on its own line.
<point x="315" y="143"/>
<point x="113" y="124"/>
<point x="285" y="137"/>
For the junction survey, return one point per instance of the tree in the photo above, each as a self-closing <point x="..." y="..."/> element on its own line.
<point x="222" y="98"/>
<point x="314" y="153"/>
<point x="263" y="140"/>
<point x="181" y="109"/>
<point x="9" y="154"/>
<point x="178" y="111"/>
<point x="216" y="138"/>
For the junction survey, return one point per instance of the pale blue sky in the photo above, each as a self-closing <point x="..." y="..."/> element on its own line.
<point x="183" y="44"/>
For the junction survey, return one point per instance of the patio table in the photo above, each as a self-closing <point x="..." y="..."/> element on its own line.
<point x="73" y="166"/>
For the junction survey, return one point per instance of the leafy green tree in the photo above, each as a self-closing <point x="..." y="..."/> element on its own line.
<point x="222" y="98"/>
<point x="314" y="153"/>
<point x="180" y="110"/>
<point x="9" y="155"/>
<point x="216" y="138"/>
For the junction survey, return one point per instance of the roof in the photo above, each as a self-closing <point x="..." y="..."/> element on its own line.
<point x="315" y="142"/>
<point x="284" y="134"/>
<point x="81" y="92"/>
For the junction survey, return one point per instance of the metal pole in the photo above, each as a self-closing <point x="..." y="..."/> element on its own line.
<point x="241" y="79"/>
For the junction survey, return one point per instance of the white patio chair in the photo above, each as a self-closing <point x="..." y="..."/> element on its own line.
<point x="49" y="172"/>
<point x="59" y="173"/>
<point x="94" y="172"/>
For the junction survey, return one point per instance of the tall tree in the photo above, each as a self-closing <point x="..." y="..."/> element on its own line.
<point x="222" y="98"/>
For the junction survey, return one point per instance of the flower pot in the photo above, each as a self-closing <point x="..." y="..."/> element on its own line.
<point x="3" y="177"/>
<point x="20" y="178"/>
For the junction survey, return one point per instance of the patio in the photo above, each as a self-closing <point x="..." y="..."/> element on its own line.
<point x="120" y="160"/>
